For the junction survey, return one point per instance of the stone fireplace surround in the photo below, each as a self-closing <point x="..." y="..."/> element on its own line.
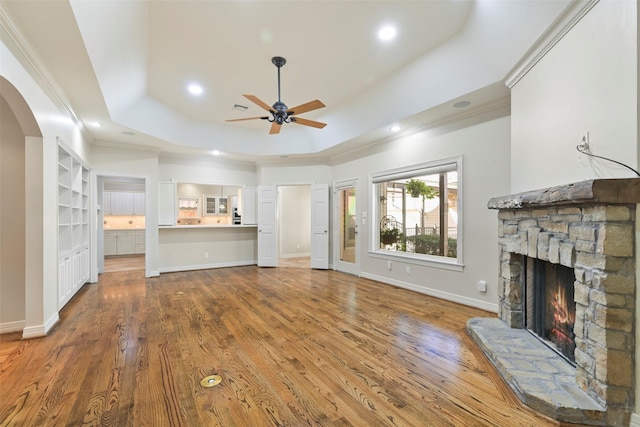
<point x="589" y="226"/>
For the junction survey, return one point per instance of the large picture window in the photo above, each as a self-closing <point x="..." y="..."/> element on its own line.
<point x="418" y="211"/>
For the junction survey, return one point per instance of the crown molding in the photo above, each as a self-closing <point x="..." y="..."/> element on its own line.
<point x="490" y="110"/>
<point x="30" y="60"/>
<point x="556" y="31"/>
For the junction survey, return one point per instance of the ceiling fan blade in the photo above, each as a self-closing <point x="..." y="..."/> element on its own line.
<point x="248" y="118"/>
<point x="303" y="108"/>
<point x="275" y="128"/>
<point x="307" y="122"/>
<point x="259" y="102"/>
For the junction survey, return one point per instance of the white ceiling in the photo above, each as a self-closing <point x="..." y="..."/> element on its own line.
<point x="126" y="65"/>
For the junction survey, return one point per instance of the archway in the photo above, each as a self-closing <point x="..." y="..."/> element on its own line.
<point x="18" y="247"/>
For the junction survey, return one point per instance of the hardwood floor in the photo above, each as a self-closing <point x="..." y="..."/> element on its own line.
<point x="294" y="347"/>
<point x="124" y="262"/>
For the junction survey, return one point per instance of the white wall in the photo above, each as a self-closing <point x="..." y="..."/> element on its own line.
<point x="485" y="149"/>
<point x="294" y="175"/>
<point x="41" y="171"/>
<point x="587" y="82"/>
<point x="294" y="219"/>
<point x="108" y="161"/>
<point x="12" y="221"/>
<point x="206" y="170"/>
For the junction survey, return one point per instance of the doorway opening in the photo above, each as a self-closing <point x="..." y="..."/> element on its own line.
<point x="294" y="226"/>
<point x="121" y="219"/>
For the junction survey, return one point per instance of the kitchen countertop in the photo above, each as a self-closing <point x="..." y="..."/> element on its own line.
<point x="208" y="226"/>
<point x="121" y="229"/>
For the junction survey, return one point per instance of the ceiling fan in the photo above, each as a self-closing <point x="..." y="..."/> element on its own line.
<point x="279" y="112"/>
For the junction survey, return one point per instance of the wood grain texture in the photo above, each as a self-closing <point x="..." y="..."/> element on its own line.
<point x="294" y="347"/>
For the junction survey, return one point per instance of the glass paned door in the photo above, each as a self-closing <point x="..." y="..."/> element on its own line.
<point x="346" y="220"/>
<point x="348" y="225"/>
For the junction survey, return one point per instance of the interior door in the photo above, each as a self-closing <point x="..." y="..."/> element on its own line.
<point x="320" y="226"/>
<point x="267" y="226"/>
<point x="347" y="227"/>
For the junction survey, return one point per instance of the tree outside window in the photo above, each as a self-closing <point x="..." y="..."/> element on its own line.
<point x="420" y="208"/>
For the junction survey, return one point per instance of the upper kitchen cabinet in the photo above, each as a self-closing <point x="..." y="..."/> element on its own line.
<point x="167" y="196"/>
<point x="123" y="203"/>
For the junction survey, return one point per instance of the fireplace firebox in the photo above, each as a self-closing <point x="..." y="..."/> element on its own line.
<point x="550" y="310"/>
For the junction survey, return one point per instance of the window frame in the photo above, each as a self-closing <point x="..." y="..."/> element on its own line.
<point x="421" y="169"/>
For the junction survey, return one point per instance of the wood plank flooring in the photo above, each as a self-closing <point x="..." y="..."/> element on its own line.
<point x="294" y="347"/>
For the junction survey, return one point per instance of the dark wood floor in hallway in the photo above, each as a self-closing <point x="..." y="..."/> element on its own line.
<point x="294" y="347"/>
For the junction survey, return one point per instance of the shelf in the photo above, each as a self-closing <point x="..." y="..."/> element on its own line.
<point x="73" y="226"/>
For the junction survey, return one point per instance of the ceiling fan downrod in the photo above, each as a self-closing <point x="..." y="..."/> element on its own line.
<point x="280" y="108"/>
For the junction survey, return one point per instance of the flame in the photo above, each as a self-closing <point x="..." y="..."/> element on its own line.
<point x="561" y="313"/>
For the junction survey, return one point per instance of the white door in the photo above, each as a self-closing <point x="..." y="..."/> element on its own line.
<point x="267" y="230"/>
<point x="346" y="242"/>
<point x="320" y="226"/>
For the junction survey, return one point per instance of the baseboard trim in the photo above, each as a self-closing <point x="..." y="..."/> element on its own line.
<point x="40" y="330"/>
<point x="635" y="420"/>
<point x="492" y="307"/>
<point x="10" y="327"/>
<point x="296" y="255"/>
<point x="207" y="266"/>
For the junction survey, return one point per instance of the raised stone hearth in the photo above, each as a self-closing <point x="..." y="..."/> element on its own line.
<point x="590" y="227"/>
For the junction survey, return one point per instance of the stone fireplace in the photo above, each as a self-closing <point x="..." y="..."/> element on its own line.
<point x="588" y="227"/>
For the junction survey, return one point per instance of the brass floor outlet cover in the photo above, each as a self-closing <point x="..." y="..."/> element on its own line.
<point x="211" y="380"/>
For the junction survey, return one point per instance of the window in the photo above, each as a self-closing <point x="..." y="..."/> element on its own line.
<point x="418" y="211"/>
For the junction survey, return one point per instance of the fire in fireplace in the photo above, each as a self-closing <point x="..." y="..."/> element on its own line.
<point x="550" y="311"/>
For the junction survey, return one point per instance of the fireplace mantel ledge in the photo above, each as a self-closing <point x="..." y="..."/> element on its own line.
<point x="590" y="192"/>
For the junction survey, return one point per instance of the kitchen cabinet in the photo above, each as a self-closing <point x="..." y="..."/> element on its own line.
<point x="123" y="203"/>
<point x="120" y="242"/>
<point x="167" y="196"/>
<point x="249" y="205"/>
<point x="140" y="242"/>
<point x="214" y="205"/>
<point x="138" y="203"/>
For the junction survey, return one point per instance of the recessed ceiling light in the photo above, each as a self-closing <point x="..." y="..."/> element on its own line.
<point x="394" y="128"/>
<point x="387" y="33"/>
<point x="195" y="89"/>
<point x="95" y="124"/>
<point x="215" y="152"/>
<point x="461" y="104"/>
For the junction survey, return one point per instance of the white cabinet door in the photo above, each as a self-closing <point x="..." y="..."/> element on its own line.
<point x="116" y="203"/>
<point x="140" y="241"/>
<point x="248" y="208"/>
<point x="63" y="279"/>
<point x="110" y="247"/>
<point x="267" y="226"/>
<point x="138" y="203"/>
<point x="126" y="243"/>
<point x="127" y="204"/>
<point x="106" y="203"/>
<point x="167" y="196"/>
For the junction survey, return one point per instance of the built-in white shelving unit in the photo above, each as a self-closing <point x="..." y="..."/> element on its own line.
<point x="73" y="226"/>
